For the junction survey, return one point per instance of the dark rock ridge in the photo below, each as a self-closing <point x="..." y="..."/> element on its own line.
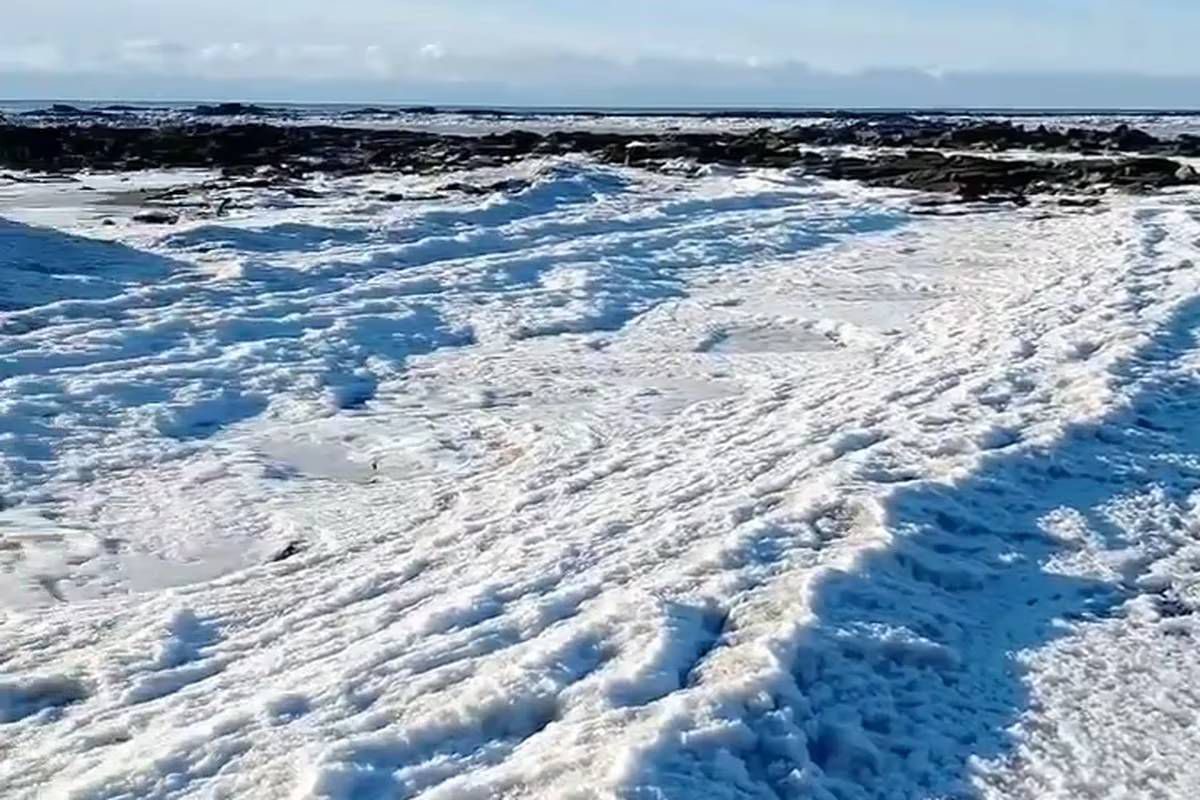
<point x="65" y="112"/>
<point x="231" y="110"/>
<point x="901" y="152"/>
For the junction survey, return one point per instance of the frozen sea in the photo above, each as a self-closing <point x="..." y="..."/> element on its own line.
<point x="622" y="485"/>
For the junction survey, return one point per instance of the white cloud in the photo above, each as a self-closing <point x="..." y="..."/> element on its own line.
<point x="432" y="52"/>
<point x="150" y="54"/>
<point x="378" y="61"/>
<point x="228" y="53"/>
<point x="433" y="73"/>
<point x="41" y="57"/>
<point x="1143" y="36"/>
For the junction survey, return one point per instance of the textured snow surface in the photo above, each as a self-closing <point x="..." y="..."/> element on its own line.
<point x="743" y="486"/>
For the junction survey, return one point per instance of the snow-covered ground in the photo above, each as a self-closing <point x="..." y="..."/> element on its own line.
<point x="623" y="485"/>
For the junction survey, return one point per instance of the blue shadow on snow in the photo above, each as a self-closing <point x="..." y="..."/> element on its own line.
<point x="909" y="671"/>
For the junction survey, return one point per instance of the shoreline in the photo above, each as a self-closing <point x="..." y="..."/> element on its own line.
<point x="937" y="156"/>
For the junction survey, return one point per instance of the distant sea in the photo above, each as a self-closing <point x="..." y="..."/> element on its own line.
<point x="20" y="106"/>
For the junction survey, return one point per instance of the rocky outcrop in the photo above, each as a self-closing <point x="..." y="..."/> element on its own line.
<point x="897" y="151"/>
<point x="156" y="217"/>
<point x="230" y="110"/>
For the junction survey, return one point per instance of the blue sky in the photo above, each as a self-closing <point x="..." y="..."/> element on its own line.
<point x="623" y="52"/>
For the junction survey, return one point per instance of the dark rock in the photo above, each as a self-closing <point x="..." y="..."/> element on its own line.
<point x="510" y="185"/>
<point x="156" y="217"/>
<point x="1128" y="139"/>
<point x="506" y="186"/>
<point x="230" y="110"/>
<point x="291" y="549"/>
<point x="907" y="153"/>
<point x="64" y="110"/>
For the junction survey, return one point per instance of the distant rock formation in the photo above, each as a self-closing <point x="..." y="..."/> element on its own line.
<point x="924" y="154"/>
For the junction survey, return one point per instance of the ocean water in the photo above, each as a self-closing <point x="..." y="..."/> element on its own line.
<point x="615" y="484"/>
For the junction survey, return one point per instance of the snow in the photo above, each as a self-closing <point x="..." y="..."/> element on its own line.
<point x="622" y="485"/>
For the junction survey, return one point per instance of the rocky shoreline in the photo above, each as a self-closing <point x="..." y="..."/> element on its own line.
<point x="971" y="161"/>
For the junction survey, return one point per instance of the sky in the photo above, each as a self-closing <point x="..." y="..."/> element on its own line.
<point x="889" y="53"/>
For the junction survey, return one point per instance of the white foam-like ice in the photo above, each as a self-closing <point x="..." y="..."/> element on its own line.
<point x="621" y="485"/>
